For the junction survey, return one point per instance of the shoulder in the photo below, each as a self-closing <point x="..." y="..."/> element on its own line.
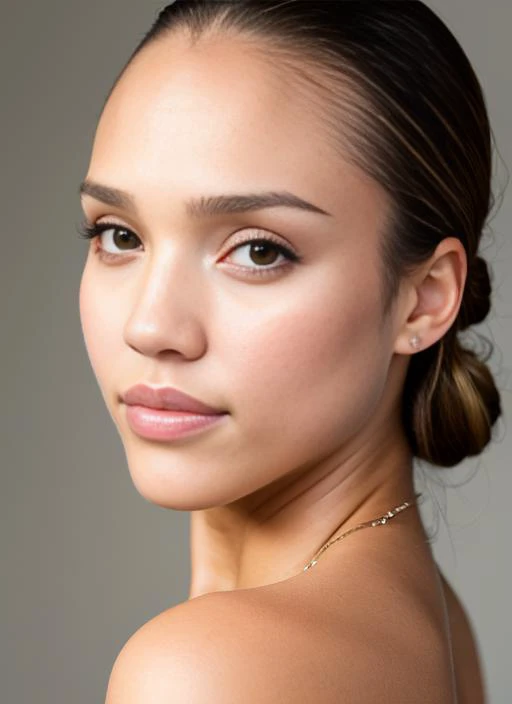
<point x="224" y="647"/>
<point x="261" y="646"/>
<point x="209" y="649"/>
<point x="217" y="648"/>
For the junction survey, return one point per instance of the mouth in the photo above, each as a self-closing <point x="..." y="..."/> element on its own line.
<point x="167" y="398"/>
<point x="164" y="424"/>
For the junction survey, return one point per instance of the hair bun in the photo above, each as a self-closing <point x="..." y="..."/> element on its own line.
<point x="476" y="301"/>
<point x="451" y="403"/>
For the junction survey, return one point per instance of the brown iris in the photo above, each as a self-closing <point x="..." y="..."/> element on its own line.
<point x="121" y="236"/>
<point x="264" y="253"/>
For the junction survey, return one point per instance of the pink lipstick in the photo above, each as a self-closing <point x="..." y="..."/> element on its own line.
<point x="164" y="413"/>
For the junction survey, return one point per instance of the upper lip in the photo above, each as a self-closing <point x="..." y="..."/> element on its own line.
<point x="166" y="397"/>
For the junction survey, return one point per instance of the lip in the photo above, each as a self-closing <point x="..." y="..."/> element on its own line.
<point x="168" y="425"/>
<point x="167" y="398"/>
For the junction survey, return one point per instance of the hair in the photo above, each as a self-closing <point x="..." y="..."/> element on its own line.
<point x="399" y="97"/>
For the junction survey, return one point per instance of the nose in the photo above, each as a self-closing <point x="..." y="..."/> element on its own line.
<point x="169" y="308"/>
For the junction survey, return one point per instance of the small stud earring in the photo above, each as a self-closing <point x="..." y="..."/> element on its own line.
<point x="415" y="342"/>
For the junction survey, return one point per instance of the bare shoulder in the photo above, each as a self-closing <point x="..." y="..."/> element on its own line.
<point x="277" y="644"/>
<point x="218" y="648"/>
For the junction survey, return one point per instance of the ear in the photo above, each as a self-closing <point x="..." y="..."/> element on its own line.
<point x="433" y="296"/>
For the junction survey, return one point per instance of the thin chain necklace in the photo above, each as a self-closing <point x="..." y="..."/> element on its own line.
<point x="380" y="521"/>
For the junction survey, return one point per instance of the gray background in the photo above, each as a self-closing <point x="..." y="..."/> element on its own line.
<point x="87" y="560"/>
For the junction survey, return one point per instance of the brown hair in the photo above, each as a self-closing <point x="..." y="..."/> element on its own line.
<point x="398" y="94"/>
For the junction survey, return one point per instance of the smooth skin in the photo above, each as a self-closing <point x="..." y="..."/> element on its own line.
<point x="308" y="370"/>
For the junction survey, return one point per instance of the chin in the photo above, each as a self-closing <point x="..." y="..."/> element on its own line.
<point x="179" y="484"/>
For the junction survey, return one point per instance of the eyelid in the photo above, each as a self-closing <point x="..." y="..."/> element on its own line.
<point x="245" y="236"/>
<point x="249" y="235"/>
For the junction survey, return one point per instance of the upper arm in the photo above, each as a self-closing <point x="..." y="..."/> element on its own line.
<point x="149" y="672"/>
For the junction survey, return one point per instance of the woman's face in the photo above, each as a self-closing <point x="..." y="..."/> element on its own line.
<point x="295" y="351"/>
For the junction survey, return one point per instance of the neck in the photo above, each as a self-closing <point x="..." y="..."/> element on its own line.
<point x="270" y="536"/>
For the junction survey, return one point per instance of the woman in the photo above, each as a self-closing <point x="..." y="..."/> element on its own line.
<point x="285" y="202"/>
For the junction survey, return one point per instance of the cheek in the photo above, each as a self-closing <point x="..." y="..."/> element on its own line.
<point x="313" y="371"/>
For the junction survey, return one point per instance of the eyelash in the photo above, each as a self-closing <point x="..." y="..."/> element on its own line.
<point x="90" y="231"/>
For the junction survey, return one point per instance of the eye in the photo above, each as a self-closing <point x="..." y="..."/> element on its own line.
<point x="121" y="237"/>
<point x="261" y="251"/>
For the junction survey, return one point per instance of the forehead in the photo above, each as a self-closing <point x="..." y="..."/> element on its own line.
<point x="216" y="115"/>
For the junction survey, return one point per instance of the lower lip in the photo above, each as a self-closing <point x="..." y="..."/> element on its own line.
<point x="167" y="425"/>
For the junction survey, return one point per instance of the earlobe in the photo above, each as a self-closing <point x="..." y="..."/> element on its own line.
<point x="438" y="287"/>
<point x="415" y="342"/>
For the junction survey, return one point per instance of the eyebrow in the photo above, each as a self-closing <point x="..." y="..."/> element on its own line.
<point x="205" y="206"/>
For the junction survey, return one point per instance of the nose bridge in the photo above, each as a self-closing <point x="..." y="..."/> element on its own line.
<point x="167" y="307"/>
